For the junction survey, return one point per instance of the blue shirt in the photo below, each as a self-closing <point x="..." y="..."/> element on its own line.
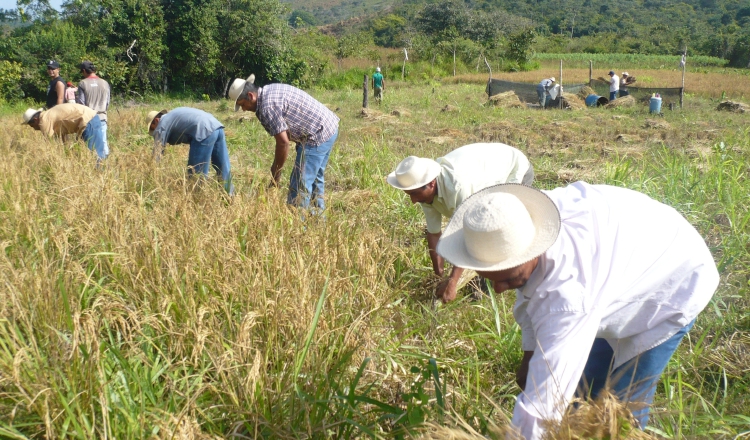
<point x="184" y="125"/>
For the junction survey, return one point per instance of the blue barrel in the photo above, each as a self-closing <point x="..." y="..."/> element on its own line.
<point x="596" y="100"/>
<point x="654" y="105"/>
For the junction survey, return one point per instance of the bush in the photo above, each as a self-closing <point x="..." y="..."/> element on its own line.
<point x="10" y="81"/>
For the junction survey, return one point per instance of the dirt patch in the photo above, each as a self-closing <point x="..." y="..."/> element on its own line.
<point x="625" y="101"/>
<point x="656" y="123"/>
<point x="440" y="140"/>
<point x="374" y="115"/>
<point x="399" y="112"/>
<point x="626" y="138"/>
<point x="734" y="107"/>
<point x="506" y="100"/>
<point x="449" y="109"/>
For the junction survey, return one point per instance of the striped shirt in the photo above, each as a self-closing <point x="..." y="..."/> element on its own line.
<point x="282" y="107"/>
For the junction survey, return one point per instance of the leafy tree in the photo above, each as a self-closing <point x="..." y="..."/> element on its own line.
<point x="350" y="44"/>
<point x="299" y="19"/>
<point x="519" y="47"/>
<point x="387" y="30"/>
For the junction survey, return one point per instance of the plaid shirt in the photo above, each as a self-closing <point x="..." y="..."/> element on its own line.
<point x="282" y="107"/>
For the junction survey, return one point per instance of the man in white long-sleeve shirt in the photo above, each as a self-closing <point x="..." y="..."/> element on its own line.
<point x="441" y="185"/>
<point x="608" y="282"/>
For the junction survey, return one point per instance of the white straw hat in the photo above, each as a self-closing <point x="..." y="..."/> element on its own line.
<point x="150" y="118"/>
<point x="235" y="90"/>
<point x="499" y="228"/>
<point x="29" y="114"/>
<point x="552" y="79"/>
<point x="625" y="74"/>
<point x="413" y="172"/>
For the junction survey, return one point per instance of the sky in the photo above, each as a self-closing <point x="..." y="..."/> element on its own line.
<point x="11" y="4"/>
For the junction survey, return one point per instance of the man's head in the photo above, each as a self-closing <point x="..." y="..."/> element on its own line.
<point x="625" y="74"/>
<point x="53" y="69"/>
<point x="87" y="68"/>
<point x="153" y="119"/>
<point x="417" y="177"/>
<point x="611" y="73"/>
<point x="500" y="232"/>
<point x="31" y="117"/>
<point x="377" y="69"/>
<point x="244" y="93"/>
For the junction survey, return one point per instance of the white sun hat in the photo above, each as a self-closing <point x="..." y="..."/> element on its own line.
<point x="235" y="90"/>
<point x="552" y="79"/>
<point x="499" y="228"/>
<point x="625" y="74"/>
<point x="413" y="172"/>
<point x="29" y="114"/>
<point x="377" y="69"/>
<point x="150" y="118"/>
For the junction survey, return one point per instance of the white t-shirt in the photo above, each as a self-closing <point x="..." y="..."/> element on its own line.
<point x="469" y="169"/>
<point x="614" y="84"/>
<point x="625" y="268"/>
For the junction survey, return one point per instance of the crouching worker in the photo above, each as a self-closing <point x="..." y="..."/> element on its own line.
<point x="65" y="119"/>
<point x="203" y="132"/>
<point x="608" y="282"/>
<point x="441" y="185"/>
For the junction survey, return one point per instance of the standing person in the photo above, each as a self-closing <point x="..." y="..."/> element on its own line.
<point x="291" y="115"/>
<point x="378" y="84"/>
<point x="614" y="85"/>
<point x="202" y="131"/>
<point x="608" y="282"/>
<point x="441" y="185"/>
<point x="94" y="92"/>
<point x="70" y="93"/>
<point x="56" y="87"/>
<point x="542" y="90"/>
<point x="65" y="119"/>
<point x="624" y="83"/>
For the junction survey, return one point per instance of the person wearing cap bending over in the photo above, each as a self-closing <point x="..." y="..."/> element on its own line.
<point x="94" y="92"/>
<point x="624" y="83"/>
<point x="291" y="115"/>
<point x="56" y="87"/>
<point x="202" y="131"/>
<point x="441" y="185"/>
<point x="614" y="85"/>
<point x="542" y="90"/>
<point x="608" y="281"/>
<point x="378" y="84"/>
<point x="64" y="119"/>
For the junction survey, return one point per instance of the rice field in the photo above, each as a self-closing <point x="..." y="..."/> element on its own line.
<point x="139" y="303"/>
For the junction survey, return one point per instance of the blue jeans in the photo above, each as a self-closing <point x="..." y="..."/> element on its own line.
<point x="308" y="176"/>
<point x="623" y="93"/>
<point x="92" y="135"/>
<point x="635" y="380"/>
<point x="213" y="150"/>
<point x="104" y="138"/>
<point x="541" y="93"/>
<point x="612" y="96"/>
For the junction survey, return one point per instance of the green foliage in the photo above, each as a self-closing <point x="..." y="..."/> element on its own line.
<point x="10" y="81"/>
<point x="637" y="60"/>
<point x="350" y="44"/>
<point x="387" y="30"/>
<point x="299" y="19"/>
<point x="519" y="47"/>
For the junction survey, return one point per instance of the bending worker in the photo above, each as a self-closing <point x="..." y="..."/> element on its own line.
<point x="542" y="90"/>
<point x="608" y="282"/>
<point x="441" y="185"/>
<point x="204" y="133"/>
<point x="65" y="119"/>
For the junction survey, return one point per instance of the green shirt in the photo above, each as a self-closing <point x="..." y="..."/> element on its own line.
<point x="377" y="77"/>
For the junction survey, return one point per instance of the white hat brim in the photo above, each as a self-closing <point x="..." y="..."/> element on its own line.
<point x="432" y="173"/>
<point x="543" y="212"/>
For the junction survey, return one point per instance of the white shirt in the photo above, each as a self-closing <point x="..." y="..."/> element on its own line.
<point x="614" y="83"/>
<point x="467" y="170"/>
<point x="625" y="268"/>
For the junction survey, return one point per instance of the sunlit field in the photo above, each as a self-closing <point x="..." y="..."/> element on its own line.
<point x="139" y="303"/>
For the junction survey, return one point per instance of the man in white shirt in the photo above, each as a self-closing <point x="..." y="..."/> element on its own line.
<point x="542" y="90"/>
<point x="614" y="85"/>
<point x="439" y="186"/>
<point x="608" y="282"/>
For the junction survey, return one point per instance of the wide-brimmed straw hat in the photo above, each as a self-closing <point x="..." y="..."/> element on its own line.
<point x="552" y="79"/>
<point x="150" y="118"/>
<point x="625" y="74"/>
<point x="28" y="115"/>
<point x="235" y="90"/>
<point x="499" y="228"/>
<point x="413" y="172"/>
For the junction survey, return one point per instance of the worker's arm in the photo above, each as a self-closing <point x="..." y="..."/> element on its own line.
<point x="158" y="149"/>
<point x="280" y="155"/>
<point x="60" y="89"/>
<point x="447" y="291"/>
<point x="437" y="260"/>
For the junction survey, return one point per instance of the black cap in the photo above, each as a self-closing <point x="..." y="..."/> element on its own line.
<point x="611" y="72"/>
<point x="52" y="64"/>
<point x="87" y="65"/>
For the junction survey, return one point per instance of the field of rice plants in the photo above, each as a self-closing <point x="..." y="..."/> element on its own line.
<point x="139" y="303"/>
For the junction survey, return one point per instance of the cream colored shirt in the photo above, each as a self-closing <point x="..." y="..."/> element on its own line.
<point x="65" y="119"/>
<point x="625" y="268"/>
<point x="470" y="169"/>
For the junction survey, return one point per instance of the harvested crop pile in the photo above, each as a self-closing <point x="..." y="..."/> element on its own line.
<point x="572" y="102"/>
<point x="654" y="123"/>
<point x="374" y="115"/>
<point x="731" y="106"/>
<point x="506" y="100"/>
<point x="625" y="101"/>
<point x="586" y="91"/>
<point x="399" y="112"/>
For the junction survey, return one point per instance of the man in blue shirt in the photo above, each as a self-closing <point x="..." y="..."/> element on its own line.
<point x="204" y="133"/>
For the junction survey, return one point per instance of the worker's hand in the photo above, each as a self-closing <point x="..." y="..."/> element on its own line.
<point x="446" y="291"/>
<point x="523" y="370"/>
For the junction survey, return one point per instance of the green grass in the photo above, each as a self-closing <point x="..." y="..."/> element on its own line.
<point x="137" y="303"/>
<point x="630" y="60"/>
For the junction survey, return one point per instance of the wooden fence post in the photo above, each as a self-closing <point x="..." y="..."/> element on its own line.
<point x="365" y="93"/>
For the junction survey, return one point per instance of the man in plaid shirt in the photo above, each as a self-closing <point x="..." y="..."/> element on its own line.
<point x="289" y="114"/>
